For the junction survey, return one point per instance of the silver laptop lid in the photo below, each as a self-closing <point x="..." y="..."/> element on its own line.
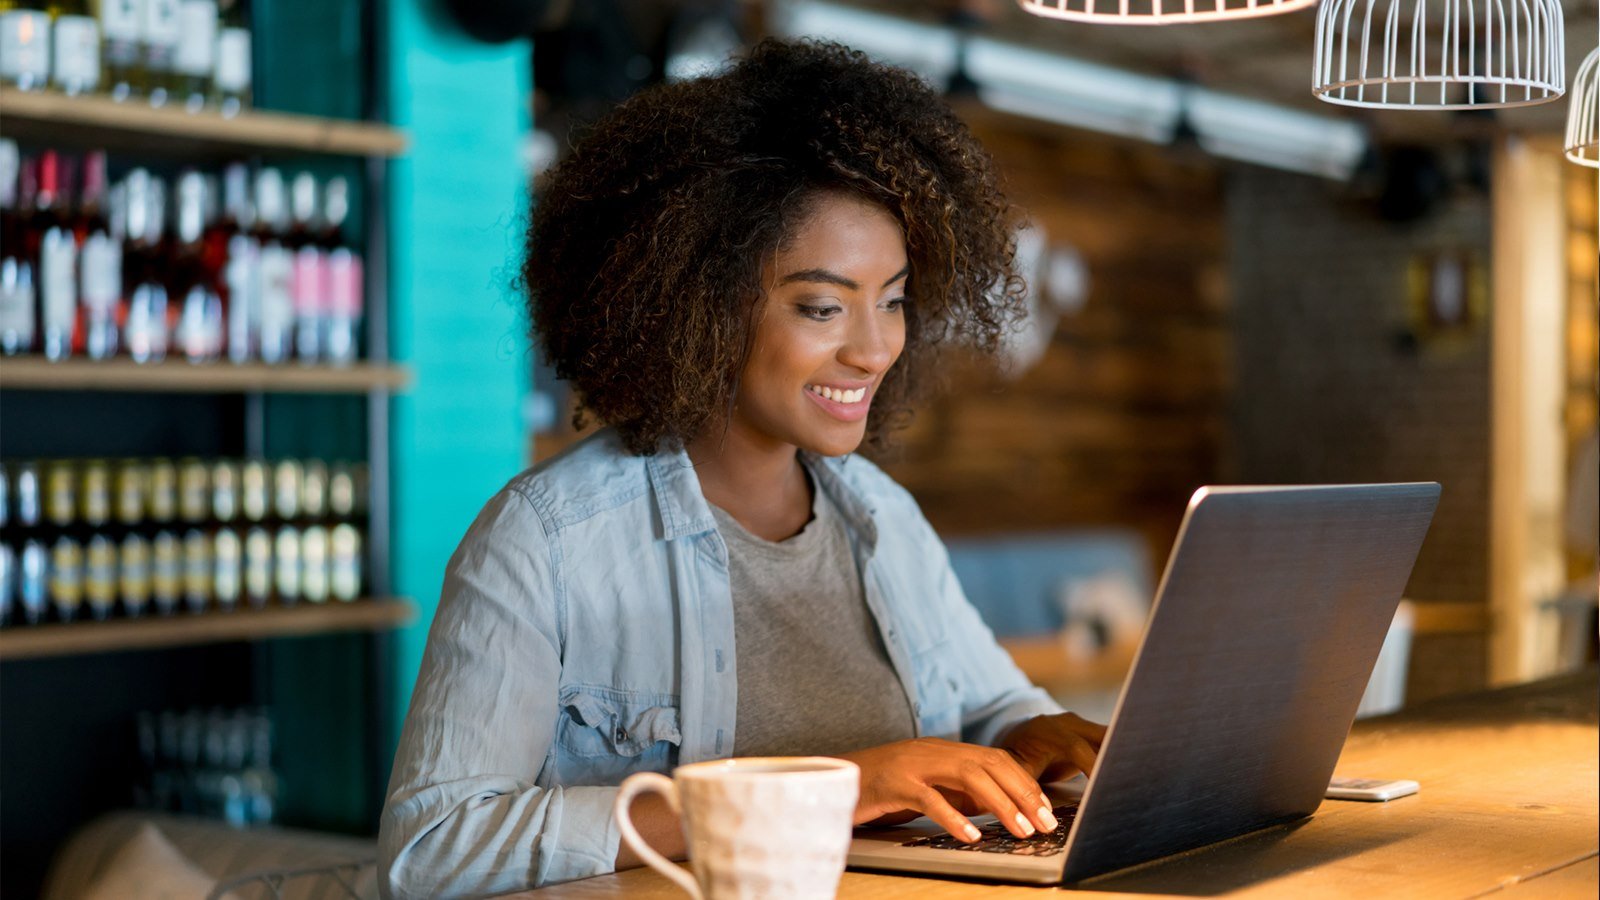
<point x="1263" y="635"/>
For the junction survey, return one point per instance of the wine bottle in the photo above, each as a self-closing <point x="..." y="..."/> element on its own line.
<point x="146" y="330"/>
<point x="121" y="46"/>
<point x="342" y="290"/>
<point x="242" y="250"/>
<point x="24" y="46"/>
<point x="17" y="300"/>
<point x="307" y="281"/>
<point x="75" y="47"/>
<point x="200" y="322"/>
<point x="99" y="264"/>
<point x="230" y="84"/>
<point x="58" y="260"/>
<point x="196" y="55"/>
<point x="275" y="271"/>
<point x="160" y="32"/>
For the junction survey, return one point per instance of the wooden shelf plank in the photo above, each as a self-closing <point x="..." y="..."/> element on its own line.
<point x="73" y="638"/>
<point x="177" y="376"/>
<point x="135" y="125"/>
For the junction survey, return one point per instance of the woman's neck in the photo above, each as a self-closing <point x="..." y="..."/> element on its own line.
<point x="762" y="484"/>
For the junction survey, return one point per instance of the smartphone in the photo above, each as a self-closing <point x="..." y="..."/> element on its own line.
<point x="1374" y="789"/>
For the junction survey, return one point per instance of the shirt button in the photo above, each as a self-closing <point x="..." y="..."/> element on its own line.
<point x="917" y="709"/>
<point x="622" y="734"/>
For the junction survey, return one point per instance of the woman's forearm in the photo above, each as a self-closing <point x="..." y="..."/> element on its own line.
<point x="660" y="828"/>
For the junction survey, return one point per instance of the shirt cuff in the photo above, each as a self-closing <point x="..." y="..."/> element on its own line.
<point x="582" y="834"/>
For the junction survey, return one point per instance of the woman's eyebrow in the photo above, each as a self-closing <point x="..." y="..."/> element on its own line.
<point x="823" y="276"/>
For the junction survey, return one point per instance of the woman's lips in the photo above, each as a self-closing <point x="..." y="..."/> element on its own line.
<point x="844" y="412"/>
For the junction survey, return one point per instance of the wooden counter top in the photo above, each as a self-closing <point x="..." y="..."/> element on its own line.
<point x="1509" y="800"/>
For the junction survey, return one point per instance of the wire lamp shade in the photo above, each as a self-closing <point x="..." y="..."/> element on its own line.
<point x="1159" y="12"/>
<point x="1446" y="54"/>
<point x="1583" y="116"/>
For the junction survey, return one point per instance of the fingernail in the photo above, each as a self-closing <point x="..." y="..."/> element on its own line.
<point x="970" y="832"/>
<point x="1048" y="818"/>
<point x="1025" y="825"/>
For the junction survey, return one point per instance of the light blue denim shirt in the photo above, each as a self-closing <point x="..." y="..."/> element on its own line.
<point x="585" y="632"/>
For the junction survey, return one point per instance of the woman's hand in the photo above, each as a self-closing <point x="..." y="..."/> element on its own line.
<point x="944" y="779"/>
<point x="1055" y="748"/>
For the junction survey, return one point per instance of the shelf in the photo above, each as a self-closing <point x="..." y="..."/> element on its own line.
<point x="177" y="376"/>
<point x="180" y="629"/>
<point x="95" y="121"/>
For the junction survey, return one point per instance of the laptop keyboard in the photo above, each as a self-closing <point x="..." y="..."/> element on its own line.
<point x="996" y="839"/>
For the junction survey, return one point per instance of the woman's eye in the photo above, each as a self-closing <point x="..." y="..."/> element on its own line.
<point x="897" y="304"/>
<point x="819" y="313"/>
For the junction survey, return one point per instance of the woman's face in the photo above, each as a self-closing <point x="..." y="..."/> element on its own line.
<point x="829" y="326"/>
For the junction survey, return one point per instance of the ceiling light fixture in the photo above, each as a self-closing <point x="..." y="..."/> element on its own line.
<point x="1583" y="116"/>
<point x="1159" y="12"/>
<point x="1450" y="54"/>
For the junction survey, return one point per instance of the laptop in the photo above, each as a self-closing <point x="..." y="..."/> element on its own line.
<point x="1259" y="645"/>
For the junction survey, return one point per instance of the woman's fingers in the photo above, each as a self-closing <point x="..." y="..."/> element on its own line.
<point x="980" y="785"/>
<point x="933" y="805"/>
<point x="1022" y="789"/>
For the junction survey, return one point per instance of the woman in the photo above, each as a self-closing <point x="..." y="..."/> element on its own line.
<point x="745" y="277"/>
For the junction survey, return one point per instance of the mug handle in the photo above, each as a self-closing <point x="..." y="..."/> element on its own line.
<point x="651" y="783"/>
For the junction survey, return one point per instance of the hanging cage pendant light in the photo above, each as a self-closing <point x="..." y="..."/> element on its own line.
<point x="1159" y="12"/>
<point x="1449" y="54"/>
<point x="1583" y="116"/>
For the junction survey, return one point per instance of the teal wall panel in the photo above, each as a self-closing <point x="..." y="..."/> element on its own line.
<point x="457" y="208"/>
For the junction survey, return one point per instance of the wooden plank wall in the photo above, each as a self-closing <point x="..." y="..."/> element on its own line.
<point x="1125" y="415"/>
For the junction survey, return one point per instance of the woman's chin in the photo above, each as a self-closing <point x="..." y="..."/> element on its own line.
<point x="839" y="442"/>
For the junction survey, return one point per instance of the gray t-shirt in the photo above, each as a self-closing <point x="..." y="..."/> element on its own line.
<point x="814" y="677"/>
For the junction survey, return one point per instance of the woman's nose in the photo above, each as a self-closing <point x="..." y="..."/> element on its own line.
<point x="869" y="346"/>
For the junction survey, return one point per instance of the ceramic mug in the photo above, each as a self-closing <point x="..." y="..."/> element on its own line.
<point x="758" y="827"/>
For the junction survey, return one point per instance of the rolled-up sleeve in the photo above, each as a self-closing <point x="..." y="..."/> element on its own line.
<point x="464" y="817"/>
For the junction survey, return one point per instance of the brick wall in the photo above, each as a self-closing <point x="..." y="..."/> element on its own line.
<point x="1126" y="413"/>
<point x="1331" y="389"/>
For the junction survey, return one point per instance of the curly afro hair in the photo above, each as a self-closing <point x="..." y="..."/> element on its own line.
<point x="645" y="251"/>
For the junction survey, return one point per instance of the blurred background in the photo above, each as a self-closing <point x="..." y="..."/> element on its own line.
<point x="265" y="358"/>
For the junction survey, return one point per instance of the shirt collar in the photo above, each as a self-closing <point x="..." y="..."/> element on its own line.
<point x="683" y="510"/>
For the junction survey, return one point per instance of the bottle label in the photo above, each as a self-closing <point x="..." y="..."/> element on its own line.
<point x="307" y="282"/>
<point x="258" y="565"/>
<point x="16" y="306"/>
<point x="100" y="270"/>
<point x="277" y="302"/>
<point x="58" y="289"/>
<point x="60" y="494"/>
<point x="193" y="491"/>
<point x="314" y="564"/>
<point x="166" y="571"/>
<point x="66" y="575"/>
<point x="196" y="568"/>
<point x="130" y="493"/>
<point x="243" y="309"/>
<point x="100" y="575"/>
<point x="286" y="562"/>
<point x="162" y="26"/>
<point x="197" y="42"/>
<point x="146" y="331"/>
<point x="226" y="577"/>
<point x="345" y="565"/>
<point x="233" y="61"/>
<point x="77" y="53"/>
<point x="120" y="19"/>
<point x="24" y="46"/>
<point x="344" y="284"/>
<point x="133" y="573"/>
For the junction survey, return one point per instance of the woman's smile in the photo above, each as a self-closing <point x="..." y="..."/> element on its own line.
<point x="847" y="404"/>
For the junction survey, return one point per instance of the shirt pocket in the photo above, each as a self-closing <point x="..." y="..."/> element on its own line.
<point x="605" y="735"/>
